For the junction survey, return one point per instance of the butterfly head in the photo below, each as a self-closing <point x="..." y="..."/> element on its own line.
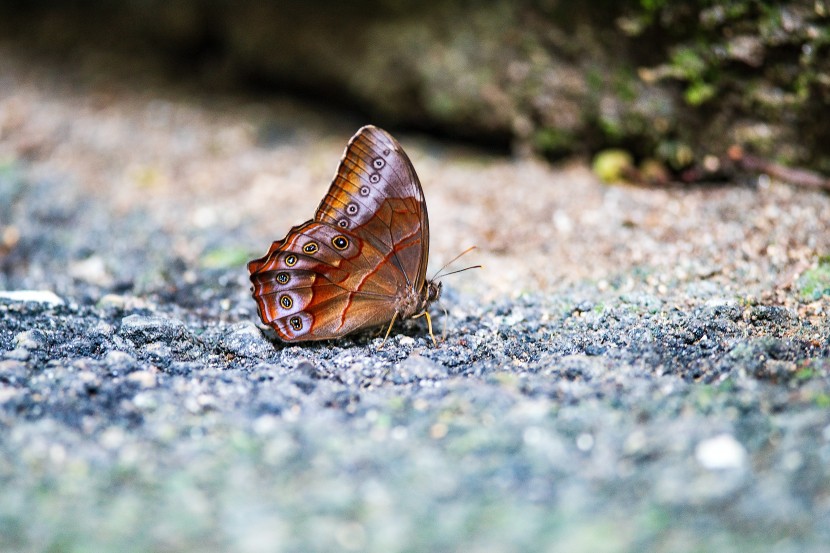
<point x="433" y="291"/>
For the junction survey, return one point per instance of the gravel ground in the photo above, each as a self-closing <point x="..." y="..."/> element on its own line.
<point x="633" y="369"/>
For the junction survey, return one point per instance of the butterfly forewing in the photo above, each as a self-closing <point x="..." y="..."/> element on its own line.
<point x="366" y="247"/>
<point x="376" y="194"/>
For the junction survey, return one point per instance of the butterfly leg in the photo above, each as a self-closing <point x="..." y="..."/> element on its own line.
<point x="429" y="325"/>
<point x="388" y="330"/>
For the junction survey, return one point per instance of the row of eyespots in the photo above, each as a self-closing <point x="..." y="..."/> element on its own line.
<point x="352" y="208"/>
<point x="374" y="178"/>
<point x="339" y="242"/>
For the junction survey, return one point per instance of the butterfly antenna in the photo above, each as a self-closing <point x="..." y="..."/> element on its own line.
<point x="462" y="270"/>
<point x="453" y="260"/>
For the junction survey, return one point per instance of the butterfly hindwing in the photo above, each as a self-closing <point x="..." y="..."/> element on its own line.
<point x="309" y="283"/>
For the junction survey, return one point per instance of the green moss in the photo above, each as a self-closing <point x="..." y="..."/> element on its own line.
<point x="625" y="85"/>
<point x="612" y="128"/>
<point x="652" y="5"/>
<point x="688" y="63"/>
<point x="225" y="258"/>
<point x="691" y="64"/>
<point x="806" y="372"/>
<point x="698" y="93"/>
<point x="595" y="80"/>
<point x="815" y="283"/>
<point x="822" y="400"/>
<point x="549" y="140"/>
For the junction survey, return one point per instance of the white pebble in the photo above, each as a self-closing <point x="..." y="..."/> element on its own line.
<point x="720" y="452"/>
<point x="584" y="442"/>
<point x="37" y="296"/>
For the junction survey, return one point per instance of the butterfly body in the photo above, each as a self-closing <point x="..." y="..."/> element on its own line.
<point x="361" y="261"/>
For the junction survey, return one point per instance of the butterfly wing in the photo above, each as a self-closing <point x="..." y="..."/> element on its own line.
<point x="377" y="195"/>
<point x="319" y="282"/>
<point x="368" y="242"/>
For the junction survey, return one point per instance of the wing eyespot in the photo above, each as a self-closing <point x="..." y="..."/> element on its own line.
<point x="283" y="277"/>
<point x="296" y="323"/>
<point x="378" y="163"/>
<point x="311" y="248"/>
<point x="343" y="223"/>
<point x="291" y="260"/>
<point x="340" y="242"/>
<point x="286" y="302"/>
<point x="352" y="209"/>
<point x="374" y="178"/>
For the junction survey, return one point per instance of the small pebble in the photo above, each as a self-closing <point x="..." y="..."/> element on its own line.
<point x="720" y="452"/>
<point x="37" y="296"/>
<point x="30" y="339"/>
<point x="246" y="340"/>
<point x="141" y="329"/>
<point x="146" y="379"/>
<point x="18" y="354"/>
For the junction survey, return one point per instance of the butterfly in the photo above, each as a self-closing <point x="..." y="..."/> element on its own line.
<point x="361" y="261"/>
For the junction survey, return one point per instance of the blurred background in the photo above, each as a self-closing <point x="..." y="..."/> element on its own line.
<point x="173" y="137"/>
<point x="668" y="82"/>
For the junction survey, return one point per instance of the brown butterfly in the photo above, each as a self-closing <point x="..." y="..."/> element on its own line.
<point x="361" y="261"/>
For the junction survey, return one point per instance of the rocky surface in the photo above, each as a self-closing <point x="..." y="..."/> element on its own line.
<point x="633" y="369"/>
